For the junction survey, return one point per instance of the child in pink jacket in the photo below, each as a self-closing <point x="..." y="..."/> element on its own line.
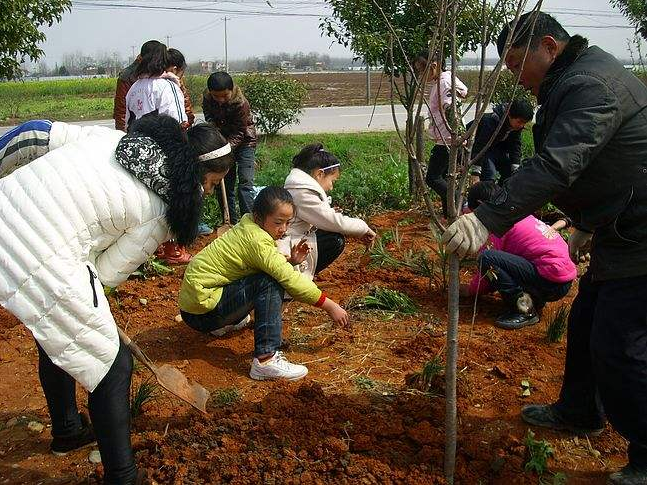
<point x="529" y="265"/>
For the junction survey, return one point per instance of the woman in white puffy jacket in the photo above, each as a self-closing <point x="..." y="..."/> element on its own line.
<point x="313" y="176"/>
<point x="85" y="214"/>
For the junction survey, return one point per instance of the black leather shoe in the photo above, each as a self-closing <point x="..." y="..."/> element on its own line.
<point x="545" y="415"/>
<point x="62" y="445"/>
<point x="515" y="320"/>
<point x="628" y="476"/>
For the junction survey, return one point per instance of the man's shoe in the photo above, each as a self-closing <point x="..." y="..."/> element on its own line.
<point x="221" y="332"/>
<point x="172" y="253"/>
<point x="544" y="415"/>
<point x="628" y="476"/>
<point x="277" y="367"/>
<point x="204" y="229"/>
<point x="62" y="445"/>
<point x="514" y="321"/>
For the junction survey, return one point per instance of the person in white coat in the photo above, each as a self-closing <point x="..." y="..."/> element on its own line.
<point x="85" y="214"/>
<point x="313" y="176"/>
<point x="156" y="90"/>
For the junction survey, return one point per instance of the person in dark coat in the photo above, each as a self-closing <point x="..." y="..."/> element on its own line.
<point x="591" y="162"/>
<point x="503" y="155"/>
<point x="225" y="106"/>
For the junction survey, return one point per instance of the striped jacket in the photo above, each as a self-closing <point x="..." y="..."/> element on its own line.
<point x="161" y="95"/>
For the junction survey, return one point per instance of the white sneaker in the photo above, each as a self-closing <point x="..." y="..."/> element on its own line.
<point x="277" y="367"/>
<point x="222" y="331"/>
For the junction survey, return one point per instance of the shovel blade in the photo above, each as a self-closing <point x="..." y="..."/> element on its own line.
<point x="176" y="383"/>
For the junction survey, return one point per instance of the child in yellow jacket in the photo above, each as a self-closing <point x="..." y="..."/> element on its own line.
<point x="243" y="270"/>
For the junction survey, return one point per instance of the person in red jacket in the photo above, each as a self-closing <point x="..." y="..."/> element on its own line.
<point x="225" y="106"/>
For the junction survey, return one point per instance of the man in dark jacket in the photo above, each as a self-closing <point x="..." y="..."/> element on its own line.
<point x="224" y="105"/>
<point x="503" y="155"/>
<point x="591" y="162"/>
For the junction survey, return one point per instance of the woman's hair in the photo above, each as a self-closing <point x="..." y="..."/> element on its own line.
<point x="148" y="46"/>
<point x="482" y="192"/>
<point x="154" y="62"/>
<point x="268" y="200"/>
<point x="204" y="138"/>
<point x="176" y="59"/>
<point x="184" y="171"/>
<point x="314" y="157"/>
<point x="219" y="81"/>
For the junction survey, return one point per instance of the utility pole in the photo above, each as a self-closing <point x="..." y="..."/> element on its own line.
<point x="226" y="57"/>
<point x="168" y="41"/>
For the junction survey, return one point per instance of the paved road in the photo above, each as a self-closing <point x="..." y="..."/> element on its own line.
<point x="342" y="119"/>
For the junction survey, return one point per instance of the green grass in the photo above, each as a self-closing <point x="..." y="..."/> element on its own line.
<point x="70" y="99"/>
<point x="226" y="397"/>
<point x="557" y="324"/>
<point x="380" y="298"/>
<point x="374" y="168"/>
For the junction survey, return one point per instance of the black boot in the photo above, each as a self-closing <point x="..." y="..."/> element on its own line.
<point x="546" y="416"/>
<point x="521" y="312"/>
<point x="628" y="476"/>
<point x="62" y="445"/>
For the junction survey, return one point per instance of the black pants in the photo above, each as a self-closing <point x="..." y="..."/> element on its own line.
<point x="515" y="274"/>
<point x="109" y="406"/>
<point x="496" y="160"/>
<point x="330" y="245"/>
<point x="436" y="177"/>
<point x="606" y="361"/>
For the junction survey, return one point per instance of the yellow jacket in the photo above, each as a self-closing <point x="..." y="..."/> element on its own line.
<point x="244" y="250"/>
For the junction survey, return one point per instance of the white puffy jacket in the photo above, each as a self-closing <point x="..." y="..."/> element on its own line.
<point x="70" y="221"/>
<point x="314" y="209"/>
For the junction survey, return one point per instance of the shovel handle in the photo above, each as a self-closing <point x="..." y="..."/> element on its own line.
<point x="224" y="202"/>
<point x="137" y="352"/>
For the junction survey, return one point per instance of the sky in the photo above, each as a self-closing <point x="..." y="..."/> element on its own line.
<point x="107" y="26"/>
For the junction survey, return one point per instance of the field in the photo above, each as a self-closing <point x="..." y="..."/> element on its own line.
<point x="78" y="99"/>
<point x="366" y="413"/>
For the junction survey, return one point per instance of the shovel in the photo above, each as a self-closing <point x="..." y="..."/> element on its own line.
<point x="227" y="224"/>
<point x="170" y="378"/>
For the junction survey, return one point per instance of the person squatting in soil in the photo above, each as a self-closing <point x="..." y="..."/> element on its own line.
<point x="591" y="162"/>
<point x="440" y="102"/>
<point x="323" y="228"/>
<point x="504" y="153"/>
<point x="224" y="105"/>
<point x="243" y="270"/>
<point x="85" y="214"/>
<point x="529" y="265"/>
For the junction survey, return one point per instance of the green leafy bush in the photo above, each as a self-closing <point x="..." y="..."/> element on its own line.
<point x="504" y="92"/>
<point x="275" y="100"/>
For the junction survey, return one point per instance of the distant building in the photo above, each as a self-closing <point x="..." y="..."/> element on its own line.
<point x="206" y="66"/>
<point x="90" y="70"/>
<point x="320" y="66"/>
<point x="286" y="66"/>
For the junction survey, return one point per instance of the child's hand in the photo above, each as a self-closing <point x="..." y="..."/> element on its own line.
<point x="336" y="313"/>
<point x="368" y="238"/>
<point x="299" y="252"/>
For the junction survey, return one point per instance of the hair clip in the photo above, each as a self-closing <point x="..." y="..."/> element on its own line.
<point x="212" y="155"/>
<point x="330" y="167"/>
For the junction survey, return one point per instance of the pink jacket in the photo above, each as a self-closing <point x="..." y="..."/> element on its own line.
<point x="438" y="103"/>
<point x="537" y="242"/>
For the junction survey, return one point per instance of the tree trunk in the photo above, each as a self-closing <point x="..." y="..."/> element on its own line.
<point x="451" y="360"/>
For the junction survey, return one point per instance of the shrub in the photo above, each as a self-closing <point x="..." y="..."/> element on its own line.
<point x="275" y="100"/>
<point x="557" y="324"/>
<point x="504" y="92"/>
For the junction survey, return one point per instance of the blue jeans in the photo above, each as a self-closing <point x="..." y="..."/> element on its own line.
<point x="515" y="274"/>
<point x="243" y="166"/>
<point x="259" y="292"/>
<point x="495" y="160"/>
